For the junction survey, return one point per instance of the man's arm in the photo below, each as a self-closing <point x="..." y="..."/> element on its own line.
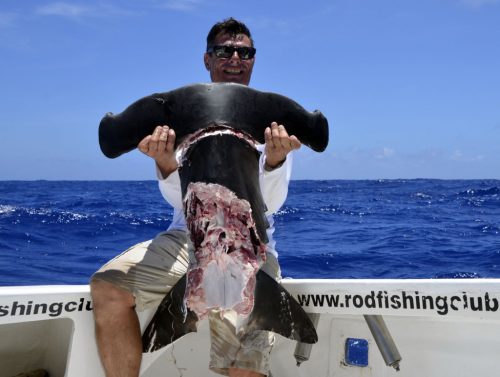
<point x="276" y="166"/>
<point x="160" y="146"/>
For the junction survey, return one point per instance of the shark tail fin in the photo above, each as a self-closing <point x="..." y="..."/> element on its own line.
<point x="277" y="311"/>
<point x="171" y="320"/>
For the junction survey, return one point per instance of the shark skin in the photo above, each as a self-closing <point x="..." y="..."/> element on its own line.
<point x="226" y="121"/>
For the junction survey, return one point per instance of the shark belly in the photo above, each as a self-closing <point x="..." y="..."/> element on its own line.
<point x="228" y="249"/>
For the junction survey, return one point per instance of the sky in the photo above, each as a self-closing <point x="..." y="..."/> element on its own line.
<point x="411" y="88"/>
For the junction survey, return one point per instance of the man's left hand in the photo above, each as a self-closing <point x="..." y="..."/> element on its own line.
<point x="278" y="145"/>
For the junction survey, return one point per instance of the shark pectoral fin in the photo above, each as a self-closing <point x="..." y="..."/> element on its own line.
<point x="277" y="311"/>
<point x="171" y="321"/>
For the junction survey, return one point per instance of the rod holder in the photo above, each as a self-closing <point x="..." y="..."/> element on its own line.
<point x="303" y="350"/>
<point x="384" y="340"/>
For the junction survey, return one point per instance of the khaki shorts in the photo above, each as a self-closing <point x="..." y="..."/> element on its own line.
<point x="150" y="269"/>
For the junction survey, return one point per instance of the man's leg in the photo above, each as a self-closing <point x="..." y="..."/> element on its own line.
<point x="117" y="329"/>
<point x="149" y="270"/>
<point x="118" y="332"/>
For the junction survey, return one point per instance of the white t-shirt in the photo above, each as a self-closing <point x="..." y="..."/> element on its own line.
<point x="273" y="184"/>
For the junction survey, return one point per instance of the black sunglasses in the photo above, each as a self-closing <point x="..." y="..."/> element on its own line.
<point x="225" y="52"/>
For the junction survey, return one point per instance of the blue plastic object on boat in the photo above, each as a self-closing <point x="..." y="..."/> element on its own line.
<point x="356" y="352"/>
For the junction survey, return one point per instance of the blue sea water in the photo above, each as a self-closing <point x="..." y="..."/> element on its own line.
<point x="60" y="232"/>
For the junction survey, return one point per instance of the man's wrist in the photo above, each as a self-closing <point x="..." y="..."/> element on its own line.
<point x="165" y="171"/>
<point x="268" y="167"/>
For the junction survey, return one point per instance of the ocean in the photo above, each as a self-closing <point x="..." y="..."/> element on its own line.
<point x="60" y="232"/>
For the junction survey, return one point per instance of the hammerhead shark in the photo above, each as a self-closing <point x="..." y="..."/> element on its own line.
<point x="217" y="126"/>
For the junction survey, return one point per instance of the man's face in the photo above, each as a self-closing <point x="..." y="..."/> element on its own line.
<point x="233" y="69"/>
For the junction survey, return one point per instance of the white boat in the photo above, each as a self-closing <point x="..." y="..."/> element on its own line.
<point x="440" y="328"/>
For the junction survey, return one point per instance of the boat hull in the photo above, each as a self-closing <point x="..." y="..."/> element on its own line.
<point x="441" y="328"/>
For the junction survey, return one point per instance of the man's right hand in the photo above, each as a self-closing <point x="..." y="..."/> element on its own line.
<point x="160" y="146"/>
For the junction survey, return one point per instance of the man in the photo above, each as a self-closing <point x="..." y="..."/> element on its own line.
<point x="141" y="276"/>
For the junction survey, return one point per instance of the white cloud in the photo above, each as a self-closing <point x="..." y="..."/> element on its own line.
<point x="265" y="22"/>
<point x="384" y="153"/>
<point x="360" y="163"/>
<point x="458" y="155"/>
<point x="63" y="10"/>
<point x="478" y="3"/>
<point x="182" y="5"/>
<point x="366" y="154"/>
<point x="69" y="10"/>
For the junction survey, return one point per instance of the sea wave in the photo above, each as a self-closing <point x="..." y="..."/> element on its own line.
<point x="61" y="232"/>
<point x="492" y="191"/>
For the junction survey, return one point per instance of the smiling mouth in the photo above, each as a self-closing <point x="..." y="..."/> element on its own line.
<point x="233" y="71"/>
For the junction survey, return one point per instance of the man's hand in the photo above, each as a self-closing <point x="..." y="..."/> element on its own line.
<point x="278" y="145"/>
<point x="160" y="146"/>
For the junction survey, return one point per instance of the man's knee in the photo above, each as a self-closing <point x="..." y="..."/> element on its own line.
<point x="107" y="295"/>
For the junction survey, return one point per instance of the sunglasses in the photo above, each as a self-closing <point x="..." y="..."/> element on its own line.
<point x="225" y="52"/>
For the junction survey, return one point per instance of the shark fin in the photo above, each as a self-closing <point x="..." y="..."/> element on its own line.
<point x="277" y="311"/>
<point x="274" y="310"/>
<point x="171" y="320"/>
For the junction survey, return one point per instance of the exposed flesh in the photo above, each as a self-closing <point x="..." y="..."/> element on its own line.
<point x="228" y="252"/>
